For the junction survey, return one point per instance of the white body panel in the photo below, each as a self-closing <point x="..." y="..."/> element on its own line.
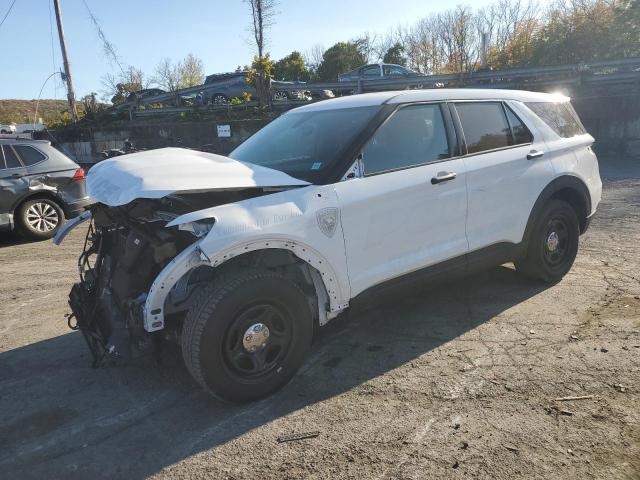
<point x="503" y="187"/>
<point x="287" y="220"/>
<point x="398" y="222"/>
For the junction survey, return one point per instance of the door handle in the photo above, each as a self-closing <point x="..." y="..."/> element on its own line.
<point x="443" y="177"/>
<point x="533" y="154"/>
<point x="16" y="175"/>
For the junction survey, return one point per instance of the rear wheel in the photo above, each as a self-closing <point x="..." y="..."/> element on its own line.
<point x="247" y="335"/>
<point x="39" y="218"/>
<point x="219" y="99"/>
<point x="553" y="244"/>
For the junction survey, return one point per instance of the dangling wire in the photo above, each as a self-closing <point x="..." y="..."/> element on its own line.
<point x="7" y="14"/>
<point x="109" y="48"/>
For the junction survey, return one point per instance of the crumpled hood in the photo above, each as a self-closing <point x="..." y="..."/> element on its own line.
<point x="161" y="172"/>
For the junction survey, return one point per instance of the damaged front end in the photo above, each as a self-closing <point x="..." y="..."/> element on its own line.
<point x="125" y="249"/>
<point x="129" y="243"/>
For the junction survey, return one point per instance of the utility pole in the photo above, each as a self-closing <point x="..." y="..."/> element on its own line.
<point x="67" y="67"/>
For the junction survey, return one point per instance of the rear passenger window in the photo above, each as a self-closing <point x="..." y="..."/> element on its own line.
<point x="521" y="133"/>
<point x="10" y="157"/>
<point x="28" y="155"/>
<point x="560" y="116"/>
<point x="485" y="126"/>
<point x="414" y="135"/>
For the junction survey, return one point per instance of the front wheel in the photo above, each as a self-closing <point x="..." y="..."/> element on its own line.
<point x="247" y="335"/>
<point x="553" y="244"/>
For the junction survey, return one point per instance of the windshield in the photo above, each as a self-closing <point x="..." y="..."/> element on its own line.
<point x="305" y="144"/>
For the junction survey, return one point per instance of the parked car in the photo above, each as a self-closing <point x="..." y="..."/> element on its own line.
<point x="233" y="85"/>
<point x="39" y="188"/>
<point x="239" y="258"/>
<point x="144" y="93"/>
<point x="7" y="129"/>
<point x="227" y="86"/>
<point x="377" y="71"/>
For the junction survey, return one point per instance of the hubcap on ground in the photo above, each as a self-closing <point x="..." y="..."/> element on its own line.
<point x="257" y="340"/>
<point x="42" y="217"/>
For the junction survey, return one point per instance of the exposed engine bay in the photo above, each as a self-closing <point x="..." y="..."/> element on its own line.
<point x="124" y="250"/>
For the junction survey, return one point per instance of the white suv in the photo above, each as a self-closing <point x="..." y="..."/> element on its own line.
<point x="6" y="129"/>
<point x="239" y="258"/>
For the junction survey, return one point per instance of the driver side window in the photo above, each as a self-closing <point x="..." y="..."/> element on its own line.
<point x="371" y="71"/>
<point x="414" y="135"/>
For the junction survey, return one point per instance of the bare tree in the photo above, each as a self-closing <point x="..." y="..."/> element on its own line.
<point x="116" y="86"/>
<point x="314" y="57"/>
<point x="366" y="44"/>
<point x="263" y="13"/>
<point x="168" y="75"/>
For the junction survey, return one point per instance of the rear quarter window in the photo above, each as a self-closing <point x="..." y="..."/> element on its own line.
<point x="29" y="155"/>
<point x="10" y="158"/>
<point x="560" y="116"/>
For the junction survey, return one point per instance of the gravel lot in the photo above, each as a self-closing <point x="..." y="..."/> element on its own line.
<point x="457" y="381"/>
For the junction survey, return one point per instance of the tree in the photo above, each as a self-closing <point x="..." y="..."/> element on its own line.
<point x="262" y="19"/>
<point x="395" y="54"/>
<point x="167" y="75"/>
<point x="191" y="71"/>
<point x="260" y="78"/>
<point x="174" y="76"/>
<point x="580" y="31"/>
<point x="291" y="67"/>
<point x="118" y="87"/>
<point x="340" y="58"/>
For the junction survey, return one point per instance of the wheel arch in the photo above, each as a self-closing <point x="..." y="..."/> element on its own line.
<point x="569" y="188"/>
<point x="322" y="277"/>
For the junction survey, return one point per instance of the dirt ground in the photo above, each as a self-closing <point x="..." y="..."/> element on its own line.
<point x="453" y="382"/>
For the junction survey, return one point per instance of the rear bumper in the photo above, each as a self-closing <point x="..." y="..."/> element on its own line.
<point x="76" y="208"/>
<point x="6" y="222"/>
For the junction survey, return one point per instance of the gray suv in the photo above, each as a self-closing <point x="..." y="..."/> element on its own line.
<point x="39" y="188"/>
<point x="377" y="71"/>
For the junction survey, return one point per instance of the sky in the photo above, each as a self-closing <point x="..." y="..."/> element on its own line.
<point x="145" y="31"/>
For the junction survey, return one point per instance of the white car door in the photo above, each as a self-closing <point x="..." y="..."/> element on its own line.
<point x="506" y="171"/>
<point x="407" y="211"/>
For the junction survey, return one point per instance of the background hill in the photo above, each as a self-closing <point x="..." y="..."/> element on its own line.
<point x="22" y="111"/>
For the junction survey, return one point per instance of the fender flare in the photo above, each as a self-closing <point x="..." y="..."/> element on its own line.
<point x="560" y="183"/>
<point x="194" y="256"/>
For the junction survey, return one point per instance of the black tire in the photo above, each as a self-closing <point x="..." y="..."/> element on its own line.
<point x="4" y="132"/>
<point x="216" y="332"/>
<point x="49" y="212"/>
<point x="553" y="244"/>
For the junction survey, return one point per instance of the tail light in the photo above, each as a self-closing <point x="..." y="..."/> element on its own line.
<point x="79" y="175"/>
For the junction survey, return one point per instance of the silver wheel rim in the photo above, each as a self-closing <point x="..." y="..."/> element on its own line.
<point x="42" y="217"/>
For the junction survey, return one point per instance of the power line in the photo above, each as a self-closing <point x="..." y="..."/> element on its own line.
<point x="108" y="47"/>
<point x="7" y="14"/>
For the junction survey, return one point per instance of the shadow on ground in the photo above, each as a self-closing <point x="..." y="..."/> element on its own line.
<point x="9" y="239"/>
<point x="59" y="417"/>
